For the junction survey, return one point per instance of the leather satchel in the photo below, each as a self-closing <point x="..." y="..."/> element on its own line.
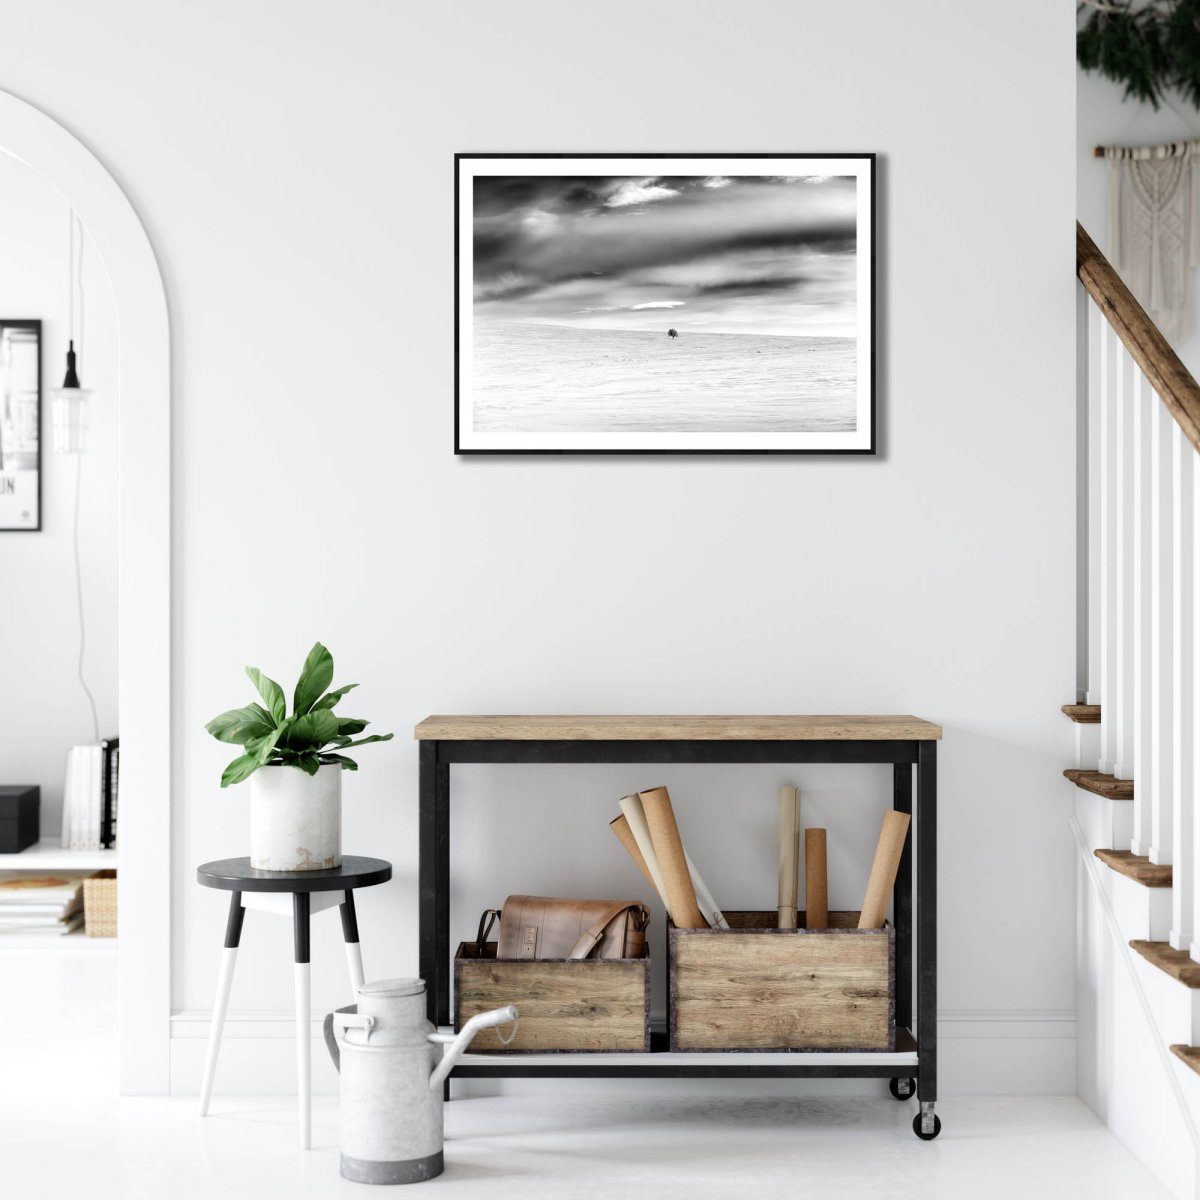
<point x="540" y="927"/>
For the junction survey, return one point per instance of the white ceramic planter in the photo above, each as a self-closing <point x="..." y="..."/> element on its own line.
<point x="296" y="819"/>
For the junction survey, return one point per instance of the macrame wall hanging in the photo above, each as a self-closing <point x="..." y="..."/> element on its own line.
<point x="1154" y="228"/>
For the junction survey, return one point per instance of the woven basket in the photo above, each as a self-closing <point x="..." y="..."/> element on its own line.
<point x="100" y="904"/>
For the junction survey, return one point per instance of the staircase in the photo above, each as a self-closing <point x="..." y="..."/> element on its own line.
<point x="1136" y="774"/>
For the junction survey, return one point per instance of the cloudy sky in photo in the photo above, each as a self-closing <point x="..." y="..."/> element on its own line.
<point x="762" y="255"/>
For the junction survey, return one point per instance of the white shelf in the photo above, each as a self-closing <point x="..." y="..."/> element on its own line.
<point x="67" y="941"/>
<point x="48" y="855"/>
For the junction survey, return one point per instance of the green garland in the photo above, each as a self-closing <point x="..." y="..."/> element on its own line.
<point x="1151" y="49"/>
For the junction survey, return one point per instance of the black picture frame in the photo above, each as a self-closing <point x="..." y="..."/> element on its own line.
<point x="865" y="433"/>
<point x="21" y="430"/>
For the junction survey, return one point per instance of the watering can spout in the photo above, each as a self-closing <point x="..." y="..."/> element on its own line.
<point x="455" y="1050"/>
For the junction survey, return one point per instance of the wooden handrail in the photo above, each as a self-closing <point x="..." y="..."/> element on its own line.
<point x="1146" y="345"/>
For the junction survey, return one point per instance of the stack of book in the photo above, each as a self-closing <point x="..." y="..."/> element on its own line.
<point x="90" y="793"/>
<point x="46" y="903"/>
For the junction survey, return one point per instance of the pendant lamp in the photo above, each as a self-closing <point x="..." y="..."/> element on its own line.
<point x="70" y="407"/>
<point x="69" y="403"/>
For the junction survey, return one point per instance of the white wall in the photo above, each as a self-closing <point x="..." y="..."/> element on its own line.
<point x="43" y="710"/>
<point x="296" y="177"/>
<point x="1105" y="118"/>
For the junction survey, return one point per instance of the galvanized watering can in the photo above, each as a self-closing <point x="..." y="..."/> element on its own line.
<point x="392" y="1069"/>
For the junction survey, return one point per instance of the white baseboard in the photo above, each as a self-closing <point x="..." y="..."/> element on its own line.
<point x="986" y="1052"/>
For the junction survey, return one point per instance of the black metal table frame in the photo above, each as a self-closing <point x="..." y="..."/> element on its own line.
<point x="436" y="759"/>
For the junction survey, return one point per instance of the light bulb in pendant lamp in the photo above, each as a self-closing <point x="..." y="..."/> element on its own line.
<point x="70" y="410"/>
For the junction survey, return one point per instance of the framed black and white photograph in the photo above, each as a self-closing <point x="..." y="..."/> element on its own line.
<point x="666" y="303"/>
<point x="20" y="425"/>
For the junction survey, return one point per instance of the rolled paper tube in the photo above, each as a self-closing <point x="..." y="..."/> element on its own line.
<point x="620" y="826"/>
<point x="883" y="870"/>
<point x="672" y="862"/>
<point x="789" y="833"/>
<point x="816" y="880"/>
<point x="635" y="819"/>
<point x="708" y="906"/>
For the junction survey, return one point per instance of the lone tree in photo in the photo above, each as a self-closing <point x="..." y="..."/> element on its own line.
<point x="672" y="333"/>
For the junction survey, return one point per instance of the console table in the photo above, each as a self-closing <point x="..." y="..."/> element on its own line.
<point x="903" y="741"/>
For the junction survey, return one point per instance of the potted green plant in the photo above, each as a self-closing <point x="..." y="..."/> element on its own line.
<point x="294" y="764"/>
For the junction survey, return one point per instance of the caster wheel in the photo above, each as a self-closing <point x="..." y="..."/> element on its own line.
<point x="927" y="1137"/>
<point x="902" y="1089"/>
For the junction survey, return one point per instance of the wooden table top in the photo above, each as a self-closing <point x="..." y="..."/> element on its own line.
<point x="237" y="875"/>
<point x="859" y="728"/>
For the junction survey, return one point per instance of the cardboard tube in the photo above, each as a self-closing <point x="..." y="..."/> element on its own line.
<point x="816" y="880"/>
<point x="635" y="819"/>
<point x="883" y="869"/>
<point x="789" y="834"/>
<point x="620" y="826"/>
<point x="668" y="848"/>
<point x="704" y="898"/>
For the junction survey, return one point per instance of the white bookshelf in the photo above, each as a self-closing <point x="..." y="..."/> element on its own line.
<point x="48" y="855"/>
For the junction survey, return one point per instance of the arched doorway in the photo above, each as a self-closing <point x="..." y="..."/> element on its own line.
<point x="144" y="577"/>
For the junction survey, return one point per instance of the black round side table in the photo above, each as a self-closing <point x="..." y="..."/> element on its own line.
<point x="310" y="891"/>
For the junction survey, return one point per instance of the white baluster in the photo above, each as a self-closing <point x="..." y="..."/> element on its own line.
<point x="1108" y="548"/>
<point x="1146" y="405"/>
<point x="1183" y="596"/>
<point x="1123" y="677"/>
<point x="1188" y="853"/>
<point x="1162" y="486"/>
<point x="1095" y="348"/>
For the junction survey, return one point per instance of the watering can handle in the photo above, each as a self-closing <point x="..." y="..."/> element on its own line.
<point x="341" y="1018"/>
<point x="331" y="1042"/>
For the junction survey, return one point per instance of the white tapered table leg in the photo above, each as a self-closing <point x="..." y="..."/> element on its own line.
<point x="220" y="1007"/>
<point x="354" y="961"/>
<point x="300" y="909"/>
<point x="353" y="945"/>
<point x="303" y="1055"/>
<point x="233" y="933"/>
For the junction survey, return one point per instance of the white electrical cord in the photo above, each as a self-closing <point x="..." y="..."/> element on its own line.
<point x="75" y="274"/>
<point x="87" y="691"/>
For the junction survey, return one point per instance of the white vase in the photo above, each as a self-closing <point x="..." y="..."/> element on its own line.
<point x="296" y="819"/>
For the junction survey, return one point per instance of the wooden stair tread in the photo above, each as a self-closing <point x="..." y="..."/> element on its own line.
<point x="1083" y="714"/>
<point x="1189" y="1055"/>
<point x="1108" y="786"/>
<point x="1136" y="867"/>
<point x="1176" y="963"/>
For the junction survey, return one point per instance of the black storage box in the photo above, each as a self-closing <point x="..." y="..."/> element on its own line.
<point x="19" y="817"/>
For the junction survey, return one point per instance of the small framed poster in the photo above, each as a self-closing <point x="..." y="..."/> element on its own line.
<point x="20" y="425"/>
<point x="664" y="304"/>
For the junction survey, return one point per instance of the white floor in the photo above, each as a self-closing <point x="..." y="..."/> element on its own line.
<point x="528" y="1148"/>
<point x="62" y="1134"/>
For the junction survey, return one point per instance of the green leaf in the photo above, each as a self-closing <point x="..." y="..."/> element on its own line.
<point x="331" y="698"/>
<point x="348" y="764"/>
<point x="265" y="747"/>
<point x="271" y="693"/>
<point x="241" y="768"/>
<point x="315" y="676"/>
<point x="375" y="737"/>
<point x="351" y="725"/>
<point x="309" y="763"/>
<point x="241" y="725"/>
<point x="311" y="731"/>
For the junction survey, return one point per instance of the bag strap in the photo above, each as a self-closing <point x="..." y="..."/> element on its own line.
<point x="589" y="938"/>
<point x="485" y="926"/>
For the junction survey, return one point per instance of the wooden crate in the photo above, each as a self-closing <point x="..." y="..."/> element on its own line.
<point x="589" y="1005"/>
<point x="756" y="987"/>
<point x="100" y="904"/>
